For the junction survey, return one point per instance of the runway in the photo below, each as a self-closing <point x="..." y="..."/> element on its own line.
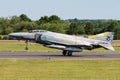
<point x="59" y="56"/>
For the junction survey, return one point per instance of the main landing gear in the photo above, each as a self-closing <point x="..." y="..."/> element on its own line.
<point x="67" y="53"/>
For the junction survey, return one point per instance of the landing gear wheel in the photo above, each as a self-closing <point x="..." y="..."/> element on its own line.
<point x="64" y="53"/>
<point x="69" y="53"/>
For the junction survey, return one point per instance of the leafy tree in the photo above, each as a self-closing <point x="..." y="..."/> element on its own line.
<point x="43" y="20"/>
<point x="112" y="26"/>
<point x="80" y="29"/>
<point x="117" y="30"/>
<point x="54" y="23"/>
<point x="26" y="26"/>
<point x="46" y="18"/>
<point x="8" y="30"/>
<point x="24" y="17"/>
<point x="73" y="29"/>
<point x="89" y="28"/>
<point x="4" y="23"/>
<point x="54" y="18"/>
<point x="56" y="28"/>
<point x="15" y="19"/>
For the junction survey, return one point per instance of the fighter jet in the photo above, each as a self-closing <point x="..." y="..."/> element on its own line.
<point x="66" y="43"/>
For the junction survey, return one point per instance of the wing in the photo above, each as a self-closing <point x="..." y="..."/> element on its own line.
<point x="70" y="48"/>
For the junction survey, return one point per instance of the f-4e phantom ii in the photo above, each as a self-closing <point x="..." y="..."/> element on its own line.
<point x="64" y="42"/>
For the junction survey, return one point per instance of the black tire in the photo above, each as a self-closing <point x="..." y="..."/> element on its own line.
<point x="64" y="53"/>
<point x="69" y="53"/>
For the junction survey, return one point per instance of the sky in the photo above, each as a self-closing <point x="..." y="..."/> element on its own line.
<point x="65" y="9"/>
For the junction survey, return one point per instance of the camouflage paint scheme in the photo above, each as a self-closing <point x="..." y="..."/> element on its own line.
<point x="67" y="42"/>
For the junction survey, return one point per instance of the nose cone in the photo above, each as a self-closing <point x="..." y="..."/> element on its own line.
<point x="22" y="35"/>
<point x="14" y="35"/>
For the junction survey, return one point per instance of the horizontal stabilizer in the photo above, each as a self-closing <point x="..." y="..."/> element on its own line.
<point x="107" y="46"/>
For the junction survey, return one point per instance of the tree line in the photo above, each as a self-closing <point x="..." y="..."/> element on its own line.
<point x="54" y="23"/>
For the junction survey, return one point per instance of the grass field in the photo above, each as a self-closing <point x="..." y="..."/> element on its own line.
<point x="13" y="46"/>
<point x="30" y="69"/>
<point x="59" y="70"/>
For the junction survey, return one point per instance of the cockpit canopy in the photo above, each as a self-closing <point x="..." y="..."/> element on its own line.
<point x="37" y="31"/>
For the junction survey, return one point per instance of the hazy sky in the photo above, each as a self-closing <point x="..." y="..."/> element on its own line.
<point x="65" y="9"/>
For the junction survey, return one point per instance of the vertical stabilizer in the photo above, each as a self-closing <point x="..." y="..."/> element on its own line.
<point x="106" y="36"/>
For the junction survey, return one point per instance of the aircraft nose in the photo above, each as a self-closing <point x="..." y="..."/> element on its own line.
<point x="14" y="35"/>
<point x="22" y="35"/>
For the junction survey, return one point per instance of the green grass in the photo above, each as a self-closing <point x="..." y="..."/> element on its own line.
<point x="23" y="69"/>
<point x="20" y="46"/>
<point x="15" y="69"/>
<point x="116" y="43"/>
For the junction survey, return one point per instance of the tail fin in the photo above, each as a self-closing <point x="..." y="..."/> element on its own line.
<point x="106" y="36"/>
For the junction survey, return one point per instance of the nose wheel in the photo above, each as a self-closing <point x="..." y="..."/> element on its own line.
<point x="67" y="53"/>
<point x="26" y="42"/>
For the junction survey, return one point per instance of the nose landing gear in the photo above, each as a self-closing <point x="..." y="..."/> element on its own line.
<point x="26" y="48"/>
